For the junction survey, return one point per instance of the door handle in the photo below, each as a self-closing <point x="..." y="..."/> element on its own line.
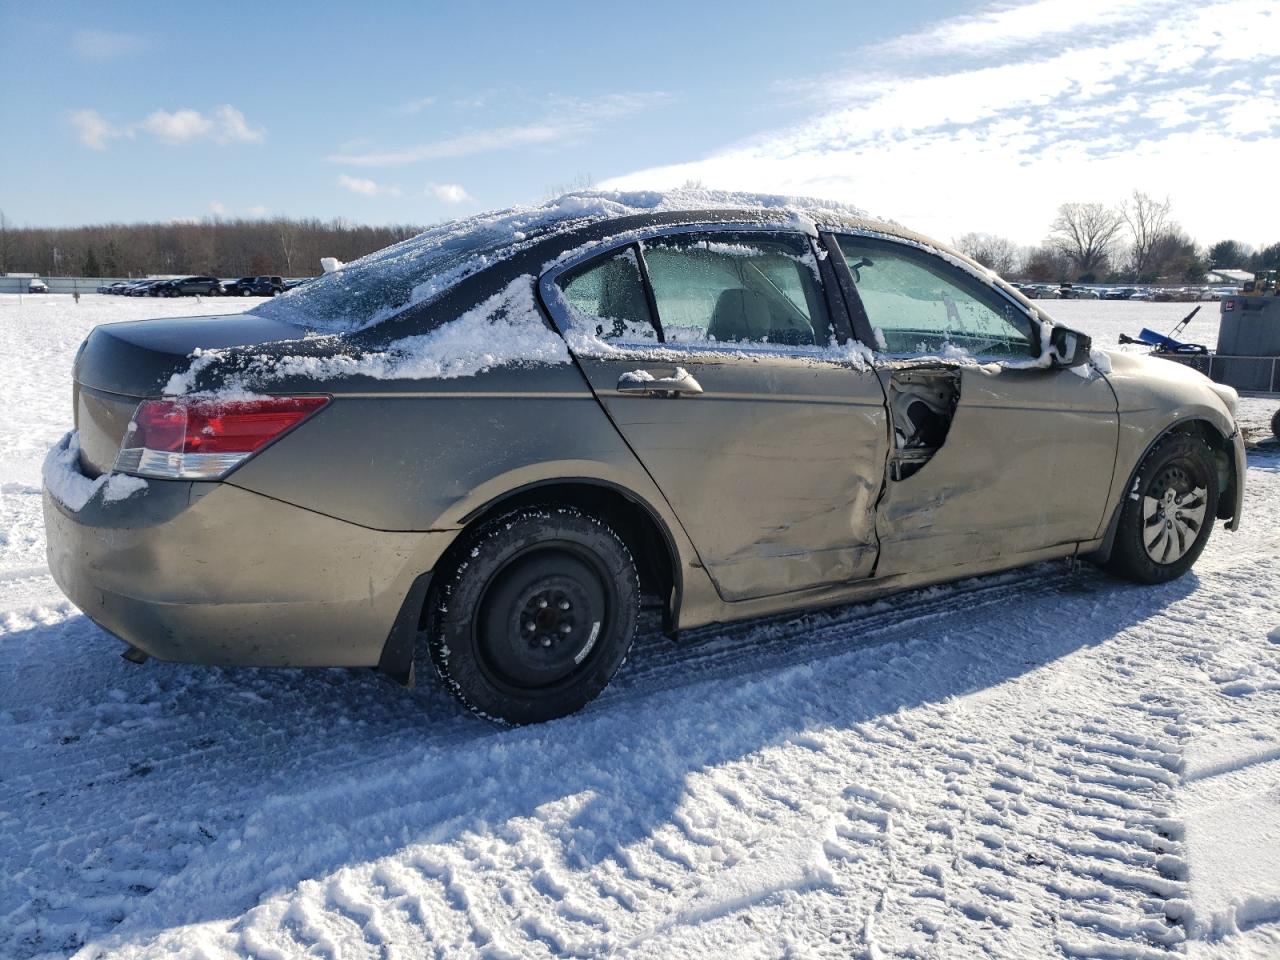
<point x="642" y="383"/>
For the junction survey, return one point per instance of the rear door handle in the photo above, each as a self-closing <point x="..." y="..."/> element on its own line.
<point x="644" y="384"/>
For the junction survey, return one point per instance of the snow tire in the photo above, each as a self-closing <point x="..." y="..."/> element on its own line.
<point x="1178" y="459"/>
<point x="536" y="616"/>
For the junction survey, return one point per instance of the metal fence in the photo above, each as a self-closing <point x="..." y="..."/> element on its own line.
<point x="1246" y="374"/>
<point x="59" y="284"/>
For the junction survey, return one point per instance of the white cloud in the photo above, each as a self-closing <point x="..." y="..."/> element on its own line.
<point x="568" y="120"/>
<point x="1170" y="105"/>
<point x="92" y="128"/>
<point x="258" y="211"/>
<point x="411" y="107"/>
<point x="230" y="126"/>
<point x="367" y="188"/>
<point x="448" y="192"/>
<point x="181" y="126"/>
<point x="225" y="124"/>
<point x="1003" y="27"/>
<point x="218" y="209"/>
<point x="102" y="45"/>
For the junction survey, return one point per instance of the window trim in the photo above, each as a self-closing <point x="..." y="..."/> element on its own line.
<point x="552" y="300"/>
<point x="857" y="311"/>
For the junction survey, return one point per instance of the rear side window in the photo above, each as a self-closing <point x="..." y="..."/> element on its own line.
<point x="609" y="295"/>
<point x="737" y="288"/>
<point x="918" y="303"/>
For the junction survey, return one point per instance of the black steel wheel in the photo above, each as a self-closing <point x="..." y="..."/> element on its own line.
<point x="537" y="617"/>
<point x="1166" y="518"/>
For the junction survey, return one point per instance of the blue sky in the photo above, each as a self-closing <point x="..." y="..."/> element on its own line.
<point x="947" y="116"/>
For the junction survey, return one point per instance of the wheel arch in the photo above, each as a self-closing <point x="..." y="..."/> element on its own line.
<point x="1193" y="426"/>
<point x="639" y="525"/>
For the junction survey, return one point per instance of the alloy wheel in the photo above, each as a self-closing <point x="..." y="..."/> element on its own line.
<point x="1173" y="514"/>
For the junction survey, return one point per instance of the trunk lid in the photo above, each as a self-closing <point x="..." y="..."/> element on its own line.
<point x="121" y="364"/>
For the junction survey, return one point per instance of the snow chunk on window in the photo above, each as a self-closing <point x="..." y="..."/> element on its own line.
<point x="506" y="329"/>
<point x="378" y="286"/>
<point x="66" y="484"/>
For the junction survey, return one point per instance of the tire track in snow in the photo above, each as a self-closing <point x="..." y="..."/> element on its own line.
<point x="966" y="866"/>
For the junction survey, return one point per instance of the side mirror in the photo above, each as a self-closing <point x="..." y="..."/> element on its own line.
<point x="1068" y="348"/>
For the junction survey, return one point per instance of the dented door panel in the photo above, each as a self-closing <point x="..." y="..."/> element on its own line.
<point x="774" y="469"/>
<point x="1025" y="462"/>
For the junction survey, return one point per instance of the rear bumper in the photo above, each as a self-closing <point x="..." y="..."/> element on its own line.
<point x="213" y="574"/>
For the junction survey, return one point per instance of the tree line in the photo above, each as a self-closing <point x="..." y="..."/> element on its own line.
<point x="213" y="247"/>
<point x="1135" y="241"/>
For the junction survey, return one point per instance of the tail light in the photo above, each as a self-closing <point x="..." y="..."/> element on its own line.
<point x="206" y="439"/>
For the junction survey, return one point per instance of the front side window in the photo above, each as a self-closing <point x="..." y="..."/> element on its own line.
<point x="918" y="303"/>
<point x="608" y="296"/>
<point x="737" y="288"/>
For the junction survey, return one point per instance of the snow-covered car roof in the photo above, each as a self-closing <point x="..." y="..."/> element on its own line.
<point x="382" y="284"/>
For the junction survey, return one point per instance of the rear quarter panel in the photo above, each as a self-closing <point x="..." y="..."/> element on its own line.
<point x="421" y="455"/>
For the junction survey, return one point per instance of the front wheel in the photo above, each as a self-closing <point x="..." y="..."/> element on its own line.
<point x="1168" y="513"/>
<point x="537" y="617"/>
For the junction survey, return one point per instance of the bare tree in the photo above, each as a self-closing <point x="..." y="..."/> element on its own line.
<point x="288" y="241"/>
<point x="580" y="182"/>
<point x="1148" y="221"/>
<point x="996" y="253"/>
<point x="4" y="244"/>
<point x="1086" y="234"/>
<point x="220" y="246"/>
<point x="1047" y="264"/>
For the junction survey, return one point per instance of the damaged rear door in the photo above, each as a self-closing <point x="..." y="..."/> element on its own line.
<point x="708" y="350"/>
<point x="991" y="457"/>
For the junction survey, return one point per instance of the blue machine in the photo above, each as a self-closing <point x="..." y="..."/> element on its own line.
<point x="1168" y="343"/>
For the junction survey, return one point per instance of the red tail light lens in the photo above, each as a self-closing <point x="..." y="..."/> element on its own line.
<point x="204" y="439"/>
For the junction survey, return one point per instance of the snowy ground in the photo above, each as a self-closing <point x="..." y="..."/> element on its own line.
<point x="1045" y="763"/>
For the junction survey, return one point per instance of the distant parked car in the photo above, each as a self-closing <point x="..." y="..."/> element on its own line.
<point x="36" y="285"/>
<point x="254" y="287"/>
<point x="1118" y="293"/>
<point x="296" y="282"/>
<point x="142" y="288"/>
<point x="117" y="288"/>
<point x="1069" y="291"/>
<point x="189" y="287"/>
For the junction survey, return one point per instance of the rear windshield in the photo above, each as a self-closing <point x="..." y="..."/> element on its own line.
<point x="369" y="290"/>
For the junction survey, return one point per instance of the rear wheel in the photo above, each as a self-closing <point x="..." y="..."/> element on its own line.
<point x="1275" y="424"/>
<point x="1167" y="518"/>
<point x="538" y="615"/>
